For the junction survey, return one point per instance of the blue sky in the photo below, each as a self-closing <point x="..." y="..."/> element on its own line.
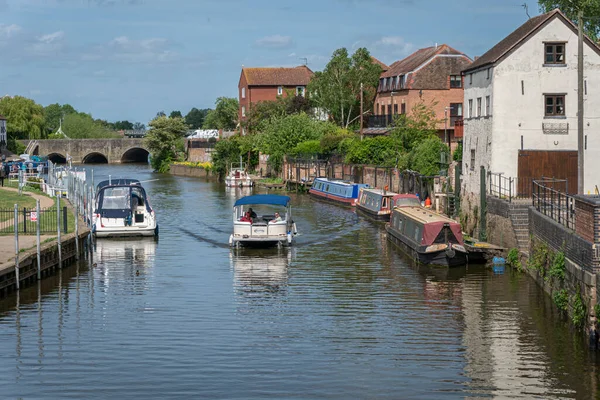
<point x="129" y="59"/>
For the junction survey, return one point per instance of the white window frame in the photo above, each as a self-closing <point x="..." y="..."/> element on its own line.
<point x="243" y="111"/>
<point x="488" y="106"/>
<point x="300" y="89"/>
<point x="470" y="110"/>
<point x="279" y="90"/>
<point x="479" y="107"/>
<point x="243" y="93"/>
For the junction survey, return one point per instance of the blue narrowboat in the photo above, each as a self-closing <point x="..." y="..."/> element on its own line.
<point x="339" y="192"/>
<point x="375" y="203"/>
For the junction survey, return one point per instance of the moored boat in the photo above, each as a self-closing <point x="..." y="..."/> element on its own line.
<point x="375" y="203"/>
<point x="122" y="208"/>
<point x="266" y="227"/>
<point x="428" y="237"/>
<point x="238" y="176"/>
<point x="340" y="192"/>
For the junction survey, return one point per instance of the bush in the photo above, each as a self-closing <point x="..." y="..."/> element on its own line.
<point x="513" y="260"/>
<point x="579" y="310"/>
<point x="426" y="156"/>
<point x="458" y="153"/>
<point x="561" y="299"/>
<point x="558" y="266"/>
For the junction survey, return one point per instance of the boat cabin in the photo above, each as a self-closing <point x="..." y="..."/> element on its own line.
<point x="337" y="191"/>
<point x="406" y="200"/>
<point x="376" y="203"/>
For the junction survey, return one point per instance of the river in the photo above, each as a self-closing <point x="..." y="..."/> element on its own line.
<point x="341" y="315"/>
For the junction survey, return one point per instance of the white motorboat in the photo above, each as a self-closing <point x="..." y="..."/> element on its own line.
<point x="122" y="209"/>
<point x="263" y="227"/>
<point x="238" y="176"/>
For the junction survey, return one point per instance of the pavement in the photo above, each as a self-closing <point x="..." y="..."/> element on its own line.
<point x="7" y="243"/>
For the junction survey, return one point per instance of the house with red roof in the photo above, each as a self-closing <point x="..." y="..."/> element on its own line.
<point x="267" y="84"/>
<point x="431" y="75"/>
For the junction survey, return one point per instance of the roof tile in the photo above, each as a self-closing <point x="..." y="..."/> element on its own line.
<point x="278" y="76"/>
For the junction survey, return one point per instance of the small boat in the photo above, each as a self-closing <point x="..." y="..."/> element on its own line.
<point x="427" y="237"/>
<point x="238" y="176"/>
<point x="340" y="192"/>
<point x="268" y="229"/>
<point x="122" y="209"/>
<point x="375" y="203"/>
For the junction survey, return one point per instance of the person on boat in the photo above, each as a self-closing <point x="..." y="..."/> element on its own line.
<point x="246" y="217"/>
<point x="276" y="219"/>
<point x="252" y="213"/>
<point x="428" y="202"/>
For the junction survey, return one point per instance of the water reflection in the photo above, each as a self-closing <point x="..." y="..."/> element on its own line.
<point x="260" y="271"/>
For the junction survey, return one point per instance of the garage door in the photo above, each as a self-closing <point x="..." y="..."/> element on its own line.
<point x="537" y="164"/>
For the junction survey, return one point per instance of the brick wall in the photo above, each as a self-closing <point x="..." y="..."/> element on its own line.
<point x="587" y="218"/>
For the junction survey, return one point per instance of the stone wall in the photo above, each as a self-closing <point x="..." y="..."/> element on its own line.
<point x="183" y="170"/>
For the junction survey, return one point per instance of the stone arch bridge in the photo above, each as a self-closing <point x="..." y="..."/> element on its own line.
<point x="91" y="151"/>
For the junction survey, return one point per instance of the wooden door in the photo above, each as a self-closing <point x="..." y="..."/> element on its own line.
<point x="537" y="164"/>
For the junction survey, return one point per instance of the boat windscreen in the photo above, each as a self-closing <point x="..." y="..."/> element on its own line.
<point x="114" y="202"/>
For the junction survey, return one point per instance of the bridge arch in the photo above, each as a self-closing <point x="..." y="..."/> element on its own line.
<point x="94" y="158"/>
<point x="57" y="158"/>
<point x="135" y="155"/>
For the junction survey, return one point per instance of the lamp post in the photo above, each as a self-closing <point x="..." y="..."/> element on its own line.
<point x="446" y="138"/>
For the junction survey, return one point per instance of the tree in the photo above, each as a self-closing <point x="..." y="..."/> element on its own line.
<point x="590" y="8"/>
<point x="138" y="126"/>
<point x="24" y="118"/>
<point x="195" y="118"/>
<point x="160" y="114"/>
<point x="426" y="156"/>
<point x="123" y="126"/>
<point x="283" y="134"/>
<point x="419" y="125"/>
<point x="165" y="141"/>
<point x="175" y="114"/>
<point x="224" y="116"/>
<point x="226" y="151"/>
<point x="54" y="112"/>
<point x="83" y="126"/>
<point x="337" y="88"/>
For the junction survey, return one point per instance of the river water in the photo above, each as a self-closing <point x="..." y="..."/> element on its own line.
<point x="341" y="315"/>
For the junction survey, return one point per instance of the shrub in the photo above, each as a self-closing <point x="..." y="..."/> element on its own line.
<point x="513" y="260"/>
<point x="561" y="299"/>
<point x="558" y="266"/>
<point x="579" y="310"/>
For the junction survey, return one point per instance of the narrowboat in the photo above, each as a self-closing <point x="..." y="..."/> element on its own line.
<point x="427" y="237"/>
<point x="121" y="209"/>
<point x="339" y="192"/>
<point x="269" y="225"/>
<point x="375" y="203"/>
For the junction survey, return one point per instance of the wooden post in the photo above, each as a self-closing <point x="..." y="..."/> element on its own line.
<point x="16" y="226"/>
<point x="38" y="242"/>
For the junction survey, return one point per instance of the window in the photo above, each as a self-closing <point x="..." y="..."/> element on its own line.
<point x="377" y="112"/>
<point x="488" y="73"/>
<point x="470" y="115"/>
<point x="455" y="81"/>
<point x="456" y="109"/>
<point x="555" y="53"/>
<point x="300" y="91"/>
<point x="555" y="105"/>
<point x="243" y="93"/>
<point x="479" y="107"/>
<point x="402" y="81"/>
<point x="470" y="79"/>
<point x="389" y="107"/>
<point x="243" y="111"/>
<point x="403" y="108"/>
<point x="487" y="106"/>
<point x="396" y="109"/>
<point x="472" y="166"/>
<point x="279" y="90"/>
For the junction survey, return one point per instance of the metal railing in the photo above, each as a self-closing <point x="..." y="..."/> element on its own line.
<point x="27" y="220"/>
<point x="380" y="121"/>
<point x="502" y="187"/>
<point x="550" y="200"/>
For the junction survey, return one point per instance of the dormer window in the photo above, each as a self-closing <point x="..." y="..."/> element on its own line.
<point x="402" y="81"/>
<point x="455" y="81"/>
<point x="555" y="53"/>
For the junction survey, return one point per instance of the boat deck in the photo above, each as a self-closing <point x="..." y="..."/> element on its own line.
<point x="424" y="215"/>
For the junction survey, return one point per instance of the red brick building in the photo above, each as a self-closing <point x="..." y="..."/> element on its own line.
<point x="431" y="75"/>
<point x="266" y="84"/>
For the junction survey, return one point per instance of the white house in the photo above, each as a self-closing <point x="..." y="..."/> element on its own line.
<point x="520" y="107"/>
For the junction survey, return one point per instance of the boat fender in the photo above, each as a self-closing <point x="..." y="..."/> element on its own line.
<point x="294" y="230"/>
<point x="289" y="238"/>
<point x="231" y="240"/>
<point x="499" y="260"/>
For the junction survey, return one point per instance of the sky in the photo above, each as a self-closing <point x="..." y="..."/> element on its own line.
<point x="129" y="59"/>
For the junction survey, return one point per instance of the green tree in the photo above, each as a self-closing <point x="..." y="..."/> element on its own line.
<point x="380" y="151"/>
<point x="337" y="88"/>
<point x="165" y="141"/>
<point x="195" y="118"/>
<point x="138" y="126"/>
<point x="426" y="156"/>
<point x="419" y="125"/>
<point x="571" y="8"/>
<point x="224" y="116"/>
<point x="309" y="148"/>
<point x="283" y="134"/>
<point x="262" y="113"/>
<point x="24" y="118"/>
<point x="123" y="126"/>
<point x="160" y="114"/>
<point x="83" y="126"/>
<point x="226" y="152"/>
<point x="175" y="114"/>
<point x="54" y="112"/>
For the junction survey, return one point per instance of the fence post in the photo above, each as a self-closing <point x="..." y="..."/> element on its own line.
<point x="24" y="220"/>
<point x="76" y="233"/>
<point x="559" y="209"/>
<point x="58" y="231"/>
<point x="483" y="206"/>
<point x="510" y="183"/>
<point x="39" y="248"/>
<point x="16" y="225"/>
<point x="65" y="216"/>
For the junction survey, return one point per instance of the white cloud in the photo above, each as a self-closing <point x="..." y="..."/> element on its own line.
<point x="391" y="41"/>
<point x="48" y="44"/>
<point x="7" y="31"/>
<point x="275" y="42"/>
<point x="125" y="49"/>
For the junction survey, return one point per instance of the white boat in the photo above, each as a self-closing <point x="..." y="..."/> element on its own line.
<point x="122" y="209"/>
<point x="238" y="176"/>
<point x="264" y="227"/>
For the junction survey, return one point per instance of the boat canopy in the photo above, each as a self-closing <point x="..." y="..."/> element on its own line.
<point x="273" y="199"/>
<point x="117" y="182"/>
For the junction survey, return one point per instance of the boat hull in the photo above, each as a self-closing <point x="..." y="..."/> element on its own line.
<point x="379" y="217"/>
<point x="125" y="232"/>
<point x="330" y="198"/>
<point x="440" y="258"/>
